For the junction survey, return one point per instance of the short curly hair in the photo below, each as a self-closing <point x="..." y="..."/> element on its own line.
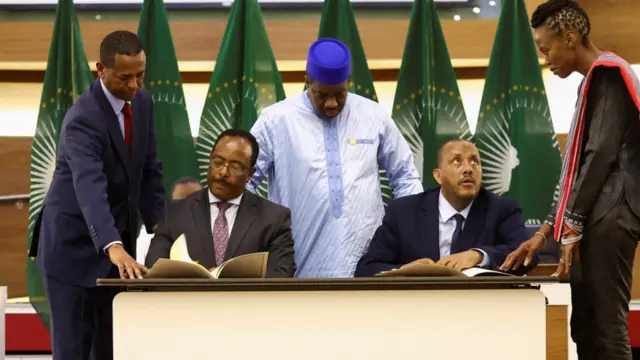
<point x="561" y="15"/>
<point x="119" y="42"/>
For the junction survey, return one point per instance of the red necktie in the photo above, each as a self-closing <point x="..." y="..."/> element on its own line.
<point x="126" y="111"/>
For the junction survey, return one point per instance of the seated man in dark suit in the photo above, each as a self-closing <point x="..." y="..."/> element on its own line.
<point x="223" y="220"/>
<point x="458" y="224"/>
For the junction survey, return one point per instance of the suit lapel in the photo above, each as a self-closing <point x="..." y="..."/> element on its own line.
<point x="113" y="125"/>
<point x="244" y="218"/>
<point x="430" y="226"/>
<point x="473" y="225"/>
<point x="201" y="211"/>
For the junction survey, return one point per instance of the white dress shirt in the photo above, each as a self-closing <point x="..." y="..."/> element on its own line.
<point x="447" y="226"/>
<point x="142" y="245"/>
<point x="117" y="105"/>
<point x="230" y="214"/>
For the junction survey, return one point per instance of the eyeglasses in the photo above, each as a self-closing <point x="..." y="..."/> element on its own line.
<point x="234" y="168"/>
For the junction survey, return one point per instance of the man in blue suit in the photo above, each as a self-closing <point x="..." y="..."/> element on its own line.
<point x="106" y="171"/>
<point x="458" y="224"/>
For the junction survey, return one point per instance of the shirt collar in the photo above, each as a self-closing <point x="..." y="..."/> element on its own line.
<point x="213" y="199"/>
<point x="447" y="211"/>
<point x="116" y="104"/>
<point x="307" y="102"/>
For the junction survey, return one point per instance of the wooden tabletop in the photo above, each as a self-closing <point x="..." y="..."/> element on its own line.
<point x="333" y="284"/>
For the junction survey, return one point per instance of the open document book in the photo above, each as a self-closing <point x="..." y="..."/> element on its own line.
<point x="433" y="270"/>
<point x="181" y="266"/>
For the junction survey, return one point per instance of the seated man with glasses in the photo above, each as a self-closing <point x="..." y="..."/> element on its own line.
<point x="223" y="221"/>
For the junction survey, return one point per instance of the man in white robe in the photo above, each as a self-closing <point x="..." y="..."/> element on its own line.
<point x="321" y="152"/>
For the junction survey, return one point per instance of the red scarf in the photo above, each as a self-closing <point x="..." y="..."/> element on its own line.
<point x="574" y="141"/>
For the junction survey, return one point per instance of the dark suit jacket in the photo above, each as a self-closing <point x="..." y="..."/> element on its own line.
<point x="610" y="161"/>
<point x="98" y="188"/>
<point x="410" y="231"/>
<point x="260" y="225"/>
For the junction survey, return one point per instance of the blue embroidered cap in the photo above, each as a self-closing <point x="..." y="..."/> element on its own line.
<point x="329" y="61"/>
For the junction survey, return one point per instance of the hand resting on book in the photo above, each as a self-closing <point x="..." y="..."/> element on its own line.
<point x="463" y="260"/>
<point x="419" y="261"/>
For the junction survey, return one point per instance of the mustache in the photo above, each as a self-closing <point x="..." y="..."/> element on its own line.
<point x="221" y="182"/>
<point x="470" y="179"/>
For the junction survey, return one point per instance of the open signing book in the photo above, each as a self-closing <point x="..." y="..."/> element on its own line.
<point x="433" y="270"/>
<point x="181" y="266"/>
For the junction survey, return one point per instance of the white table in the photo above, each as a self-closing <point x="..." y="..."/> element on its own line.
<point x="295" y="323"/>
<point x="3" y="301"/>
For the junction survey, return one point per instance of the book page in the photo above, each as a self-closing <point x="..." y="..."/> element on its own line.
<point x="215" y="272"/>
<point x="476" y="271"/>
<point x="179" y="265"/>
<point x="252" y="265"/>
<point x="179" y="250"/>
<point x="176" y="269"/>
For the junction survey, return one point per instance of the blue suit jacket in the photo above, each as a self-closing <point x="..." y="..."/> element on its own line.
<point x="410" y="231"/>
<point x="98" y="188"/>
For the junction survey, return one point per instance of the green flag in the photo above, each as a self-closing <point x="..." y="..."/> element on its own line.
<point x="164" y="83"/>
<point x="245" y="80"/>
<point x="338" y="22"/>
<point x="515" y="135"/>
<point x="66" y="78"/>
<point x="427" y="106"/>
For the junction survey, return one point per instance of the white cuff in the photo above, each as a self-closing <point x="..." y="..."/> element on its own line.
<point x="485" y="258"/>
<point x="109" y="245"/>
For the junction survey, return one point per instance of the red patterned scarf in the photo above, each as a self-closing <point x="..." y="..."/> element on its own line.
<point x="574" y="141"/>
